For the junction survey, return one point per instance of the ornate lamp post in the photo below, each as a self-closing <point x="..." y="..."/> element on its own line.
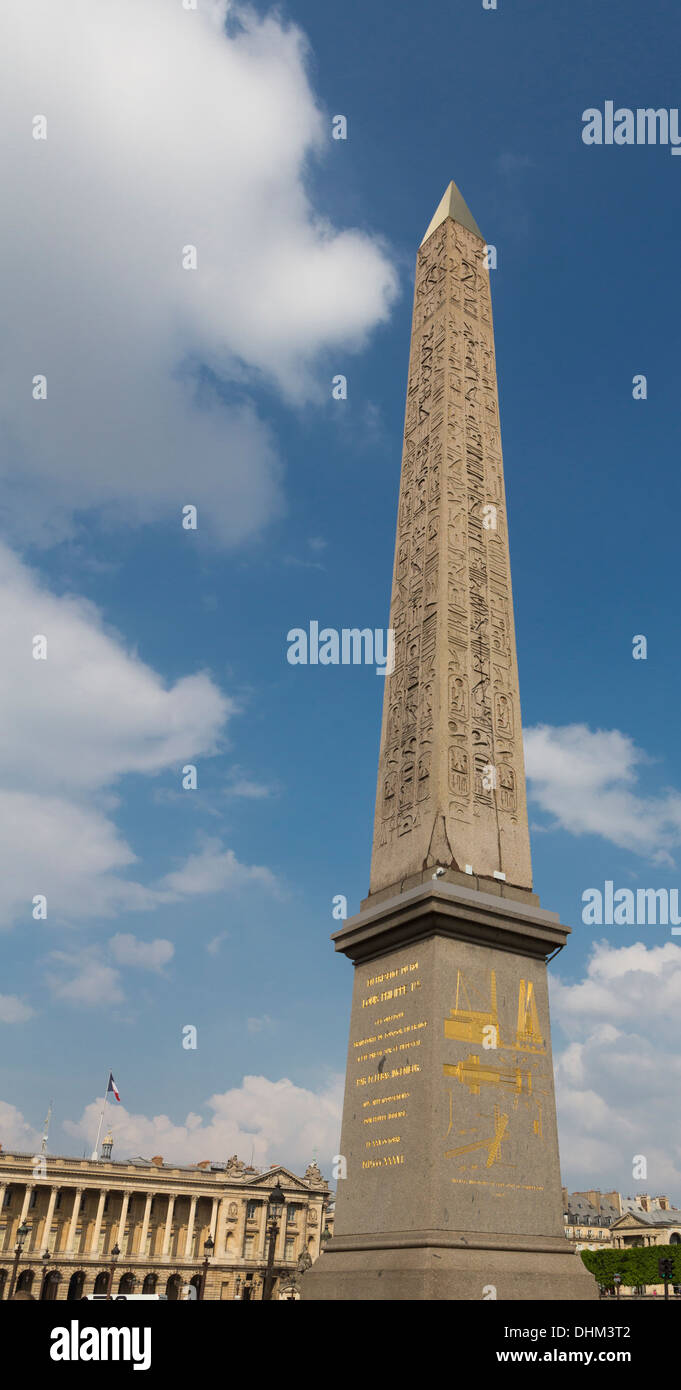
<point x="21" y="1236"/>
<point x="114" y="1256"/>
<point x="46" y="1257"/>
<point x="208" y="1248"/>
<point x="275" y="1204"/>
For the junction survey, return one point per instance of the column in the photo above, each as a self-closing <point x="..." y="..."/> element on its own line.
<point x="47" y="1229"/>
<point x="219" y="1233"/>
<point x="77" y="1198"/>
<point x="213" y="1217"/>
<point x="27" y="1197"/>
<point x="168" y="1230"/>
<point x="190" y="1230"/>
<point x="121" y="1225"/>
<point x="145" y="1226"/>
<point x="94" y="1243"/>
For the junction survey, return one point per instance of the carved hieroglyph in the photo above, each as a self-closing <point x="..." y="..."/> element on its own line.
<point x="451" y="782"/>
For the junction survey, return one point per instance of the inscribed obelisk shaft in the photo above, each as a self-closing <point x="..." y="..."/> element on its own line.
<point x="451" y="781"/>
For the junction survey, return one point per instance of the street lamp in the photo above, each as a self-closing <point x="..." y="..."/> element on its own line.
<point x="275" y="1204"/>
<point x="114" y="1256"/>
<point x="208" y="1248"/>
<point x="21" y="1236"/>
<point x="46" y="1260"/>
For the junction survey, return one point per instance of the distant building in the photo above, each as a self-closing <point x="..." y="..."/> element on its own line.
<point x="647" y="1221"/>
<point x="160" y="1216"/>
<point x="606" y="1220"/>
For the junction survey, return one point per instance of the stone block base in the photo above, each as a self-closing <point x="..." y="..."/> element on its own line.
<point x="430" y="1273"/>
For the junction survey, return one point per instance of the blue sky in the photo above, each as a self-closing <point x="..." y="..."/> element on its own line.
<point x="213" y="907"/>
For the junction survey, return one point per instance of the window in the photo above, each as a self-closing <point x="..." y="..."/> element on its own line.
<point x="58" y="1201"/>
<point x="290" y="1248"/>
<point x="34" y="1198"/>
<point x="249" y="1247"/>
<point x="8" y="1198"/>
<point x="292" y="1212"/>
<point x="252" y="1210"/>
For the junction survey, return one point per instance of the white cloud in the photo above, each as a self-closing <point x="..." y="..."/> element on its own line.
<point x="164" y="131"/>
<point x="92" y="711"/>
<point x="623" y="984"/>
<point x="259" y="1025"/>
<point x="213" y="870"/>
<point x="247" y="788"/>
<point x="213" y="946"/>
<point x="587" y="780"/>
<point x="86" y="977"/>
<point x="146" y="955"/>
<point x="619" y="1075"/>
<point x="13" y="1010"/>
<point x="71" y="727"/>
<point x="83" y="978"/>
<point x="279" y="1121"/>
<point x="16" y="1134"/>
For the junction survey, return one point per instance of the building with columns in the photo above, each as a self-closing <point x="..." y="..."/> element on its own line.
<point x="159" y="1215"/>
<point x="597" y="1220"/>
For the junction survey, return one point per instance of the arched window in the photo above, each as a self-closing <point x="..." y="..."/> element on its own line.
<point x="173" y="1287"/>
<point x="76" y="1282"/>
<point x="25" y="1281"/>
<point x="102" y="1282"/>
<point x="127" y="1283"/>
<point x="51" y="1285"/>
<point x="675" y="1238"/>
<point x="149" y="1285"/>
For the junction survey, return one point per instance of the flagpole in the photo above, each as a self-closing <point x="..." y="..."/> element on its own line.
<point x="95" y="1154"/>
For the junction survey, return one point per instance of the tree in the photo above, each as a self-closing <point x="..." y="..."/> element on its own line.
<point x="637" y="1264"/>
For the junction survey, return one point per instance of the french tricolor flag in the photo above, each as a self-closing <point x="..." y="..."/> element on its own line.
<point x="113" y="1087"/>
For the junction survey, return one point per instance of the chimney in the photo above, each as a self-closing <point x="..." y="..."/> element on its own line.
<point x="157" y="1160"/>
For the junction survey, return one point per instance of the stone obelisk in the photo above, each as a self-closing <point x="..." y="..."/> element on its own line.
<point x="449" y="1181"/>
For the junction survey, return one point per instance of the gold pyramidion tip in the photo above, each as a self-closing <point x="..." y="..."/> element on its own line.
<point x="453" y="205"/>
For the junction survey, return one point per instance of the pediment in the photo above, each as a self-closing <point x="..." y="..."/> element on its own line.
<point x="629" y="1218"/>
<point x="287" y="1179"/>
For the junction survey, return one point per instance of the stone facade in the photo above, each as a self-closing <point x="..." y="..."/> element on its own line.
<point x="159" y="1215"/>
<point x="597" y="1220"/>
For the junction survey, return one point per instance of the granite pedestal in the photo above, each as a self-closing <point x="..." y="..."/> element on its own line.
<point x="449" y="1142"/>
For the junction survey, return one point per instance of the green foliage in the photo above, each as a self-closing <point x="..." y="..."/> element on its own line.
<point x="637" y="1264"/>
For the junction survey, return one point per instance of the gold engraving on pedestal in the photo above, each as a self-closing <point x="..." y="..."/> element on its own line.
<point x="508" y="1061"/>
<point x="491" y="1144"/>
